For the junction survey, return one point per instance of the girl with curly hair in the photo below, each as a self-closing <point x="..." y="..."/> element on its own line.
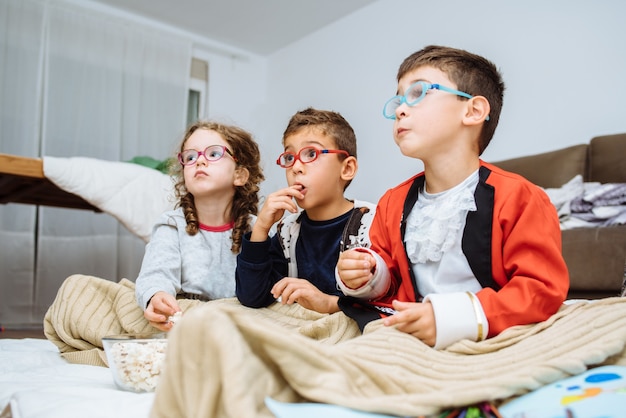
<point x="193" y="248"/>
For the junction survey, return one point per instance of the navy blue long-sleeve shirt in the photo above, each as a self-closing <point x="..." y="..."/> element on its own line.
<point x="261" y="264"/>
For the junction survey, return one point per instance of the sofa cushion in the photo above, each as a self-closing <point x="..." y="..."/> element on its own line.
<point x="607" y="159"/>
<point x="595" y="258"/>
<point x="550" y="169"/>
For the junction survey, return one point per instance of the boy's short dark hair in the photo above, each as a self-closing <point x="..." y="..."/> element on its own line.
<point x="472" y="74"/>
<point x="326" y="122"/>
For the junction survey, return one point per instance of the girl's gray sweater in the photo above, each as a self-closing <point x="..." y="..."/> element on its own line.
<point x="176" y="262"/>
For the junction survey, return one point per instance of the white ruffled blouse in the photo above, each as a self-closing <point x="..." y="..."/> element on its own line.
<point x="436" y="221"/>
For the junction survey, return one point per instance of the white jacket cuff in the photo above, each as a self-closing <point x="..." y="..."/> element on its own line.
<point x="458" y="316"/>
<point x="376" y="287"/>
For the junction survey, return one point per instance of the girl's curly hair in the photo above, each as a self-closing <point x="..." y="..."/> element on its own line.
<point x="246" y="199"/>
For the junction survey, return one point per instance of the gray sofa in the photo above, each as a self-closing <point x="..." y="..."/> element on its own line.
<point x="596" y="257"/>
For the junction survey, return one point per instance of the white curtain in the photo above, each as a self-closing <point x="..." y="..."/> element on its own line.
<point x="21" y="31"/>
<point x="111" y="91"/>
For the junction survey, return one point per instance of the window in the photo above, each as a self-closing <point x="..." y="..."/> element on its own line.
<point x="196" y="102"/>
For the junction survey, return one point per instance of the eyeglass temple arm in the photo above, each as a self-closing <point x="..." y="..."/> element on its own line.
<point x="449" y="90"/>
<point x="457" y="92"/>
<point x="334" y="151"/>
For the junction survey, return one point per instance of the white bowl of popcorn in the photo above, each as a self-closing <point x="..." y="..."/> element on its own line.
<point x="135" y="360"/>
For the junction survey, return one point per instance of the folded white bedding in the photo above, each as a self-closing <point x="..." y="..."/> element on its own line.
<point x="135" y="195"/>
<point x="589" y="204"/>
<point x="36" y="382"/>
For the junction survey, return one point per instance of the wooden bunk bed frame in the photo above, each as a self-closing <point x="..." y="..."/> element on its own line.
<point x="22" y="180"/>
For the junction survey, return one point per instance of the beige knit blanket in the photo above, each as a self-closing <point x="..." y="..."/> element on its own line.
<point x="224" y="359"/>
<point x="88" y="308"/>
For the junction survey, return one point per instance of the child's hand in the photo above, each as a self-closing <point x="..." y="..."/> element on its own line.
<point x="291" y="290"/>
<point x="417" y="319"/>
<point x="273" y="209"/>
<point x="355" y="267"/>
<point x="161" y="307"/>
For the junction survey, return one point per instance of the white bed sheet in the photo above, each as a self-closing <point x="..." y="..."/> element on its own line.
<point x="35" y="381"/>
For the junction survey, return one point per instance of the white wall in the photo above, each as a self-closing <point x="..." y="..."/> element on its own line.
<point x="237" y="87"/>
<point x="563" y="61"/>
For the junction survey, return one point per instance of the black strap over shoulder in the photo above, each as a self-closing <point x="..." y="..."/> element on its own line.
<point x="351" y="230"/>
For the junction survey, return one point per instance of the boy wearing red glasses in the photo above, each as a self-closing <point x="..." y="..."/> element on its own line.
<point x="463" y="250"/>
<point x="297" y="264"/>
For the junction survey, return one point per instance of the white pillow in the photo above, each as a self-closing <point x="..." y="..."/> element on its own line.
<point x="135" y="195"/>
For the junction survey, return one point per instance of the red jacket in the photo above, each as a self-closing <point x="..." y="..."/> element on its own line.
<point x="512" y="243"/>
